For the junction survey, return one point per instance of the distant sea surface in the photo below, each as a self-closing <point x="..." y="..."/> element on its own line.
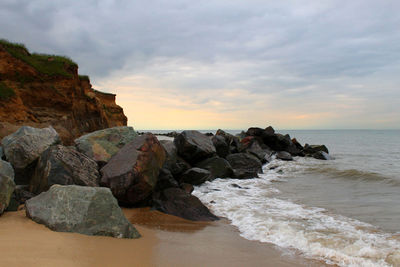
<point x="344" y="211"/>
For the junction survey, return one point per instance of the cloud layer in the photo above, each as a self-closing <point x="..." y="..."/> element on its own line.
<point x="230" y="64"/>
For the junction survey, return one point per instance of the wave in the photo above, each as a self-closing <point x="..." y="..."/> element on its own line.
<point x="316" y="233"/>
<point x="352" y="174"/>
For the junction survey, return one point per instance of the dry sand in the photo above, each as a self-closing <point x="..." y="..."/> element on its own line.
<point x="166" y="241"/>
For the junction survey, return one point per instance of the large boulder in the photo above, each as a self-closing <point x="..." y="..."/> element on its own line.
<point x="80" y="209"/>
<point x="165" y="180"/>
<point x="221" y="146"/>
<point x="175" y="164"/>
<point x="103" y="144"/>
<point x="24" y="147"/>
<point x="132" y="173"/>
<point x="218" y="167"/>
<point x="311" y="149"/>
<point x="1" y="152"/>
<point x="232" y="141"/>
<point x="178" y="202"/>
<point x="7" y="184"/>
<point x="194" y="146"/>
<point x="244" y="165"/>
<point x="321" y="155"/>
<point x="65" y="166"/>
<point x="195" y="176"/>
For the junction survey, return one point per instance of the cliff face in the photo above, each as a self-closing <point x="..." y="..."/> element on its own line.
<point x="42" y="90"/>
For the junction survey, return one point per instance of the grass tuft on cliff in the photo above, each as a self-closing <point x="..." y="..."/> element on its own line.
<point x="51" y="65"/>
<point x="5" y="91"/>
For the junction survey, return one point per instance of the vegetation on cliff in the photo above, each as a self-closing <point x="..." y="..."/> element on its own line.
<point x="51" y="65"/>
<point x="5" y="91"/>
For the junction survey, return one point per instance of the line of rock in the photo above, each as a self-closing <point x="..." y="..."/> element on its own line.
<point x="80" y="188"/>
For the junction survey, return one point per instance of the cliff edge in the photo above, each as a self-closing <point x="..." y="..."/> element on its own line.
<point x="41" y="90"/>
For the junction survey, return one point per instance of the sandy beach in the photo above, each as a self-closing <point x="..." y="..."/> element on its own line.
<point x="166" y="241"/>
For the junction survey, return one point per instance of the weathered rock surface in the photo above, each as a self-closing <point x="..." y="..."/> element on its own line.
<point x="221" y="146"/>
<point x="101" y="145"/>
<point x="244" y="165"/>
<point x="7" y="184"/>
<point x="187" y="187"/>
<point x="178" y="202"/>
<point x="283" y="155"/>
<point x="175" y="164"/>
<point x="65" y="166"/>
<point x="196" y="176"/>
<point x="24" y="147"/>
<point x="64" y="100"/>
<point x="232" y="141"/>
<point x="1" y="152"/>
<point x="132" y="173"/>
<point x="311" y="149"/>
<point x="19" y="197"/>
<point x="218" y="167"/>
<point x="321" y="155"/>
<point x="80" y="209"/>
<point x="165" y="180"/>
<point x="194" y="146"/>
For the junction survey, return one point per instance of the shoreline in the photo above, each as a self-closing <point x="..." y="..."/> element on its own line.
<point x="166" y="241"/>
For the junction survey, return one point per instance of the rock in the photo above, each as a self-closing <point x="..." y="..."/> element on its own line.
<point x="255" y="131"/>
<point x="232" y="141"/>
<point x="20" y="195"/>
<point x="173" y="162"/>
<point x="269" y="131"/>
<point x="177" y="202"/>
<point x="262" y="154"/>
<point x="103" y="144"/>
<point x="321" y="155"/>
<point x="297" y="144"/>
<point x="244" y="165"/>
<point x="24" y="147"/>
<point x="165" y="180"/>
<point x="194" y="146"/>
<point x="65" y="166"/>
<point x="218" y="167"/>
<point x="221" y="146"/>
<point x="196" y="176"/>
<point x="283" y="155"/>
<point x="311" y="149"/>
<point x="132" y="173"/>
<point x="187" y="187"/>
<point x="7" y="184"/>
<point x="80" y="209"/>
<point x="1" y="152"/>
<point x="241" y="135"/>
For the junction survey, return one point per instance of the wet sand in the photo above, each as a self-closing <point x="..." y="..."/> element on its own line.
<point x="166" y="241"/>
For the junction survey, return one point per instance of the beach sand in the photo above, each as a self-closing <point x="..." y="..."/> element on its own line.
<point x="166" y="241"/>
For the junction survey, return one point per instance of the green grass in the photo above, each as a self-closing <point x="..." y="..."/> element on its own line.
<point x="51" y="65"/>
<point x="6" y="92"/>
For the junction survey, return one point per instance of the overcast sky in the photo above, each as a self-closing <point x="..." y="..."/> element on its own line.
<point x="180" y="64"/>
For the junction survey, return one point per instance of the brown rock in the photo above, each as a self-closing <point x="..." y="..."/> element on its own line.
<point x="132" y="173"/>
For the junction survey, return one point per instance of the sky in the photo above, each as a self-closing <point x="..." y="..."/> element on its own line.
<point x="230" y="64"/>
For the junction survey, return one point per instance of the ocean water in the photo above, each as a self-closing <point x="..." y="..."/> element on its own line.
<point x="344" y="211"/>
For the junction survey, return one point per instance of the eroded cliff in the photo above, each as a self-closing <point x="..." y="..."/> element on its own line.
<point x="41" y="90"/>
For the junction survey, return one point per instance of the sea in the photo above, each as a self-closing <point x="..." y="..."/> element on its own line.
<point x="344" y="211"/>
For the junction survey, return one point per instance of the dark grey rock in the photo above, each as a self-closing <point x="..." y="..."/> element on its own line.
<point x="1" y="152"/>
<point x="194" y="146"/>
<point x="187" y="187"/>
<point x="175" y="164"/>
<point x="283" y="155"/>
<point x="221" y="146"/>
<point x="244" y="165"/>
<point x="80" y="209"/>
<point x="24" y="147"/>
<point x="65" y="166"/>
<point x="255" y="131"/>
<point x="322" y="155"/>
<point x="7" y="184"/>
<point x="218" y="167"/>
<point x="132" y="173"/>
<point x="180" y="203"/>
<point x="311" y="149"/>
<point x="262" y="154"/>
<point x="103" y="144"/>
<point x="196" y="176"/>
<point x="165" y="180"/>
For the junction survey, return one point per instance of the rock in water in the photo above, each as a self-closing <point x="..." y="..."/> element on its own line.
<point x="283" y="155"/>
<point x="194" y="146"/>
<point x="24" y="147"/>
<point x="322" y="155"/>
<point x="221" y="146"/>
<point x="180" y="203"/>
<point x="244" y="165"/>
<point x="7" y="184"/>
<point x="132" y="173"/>
<point x="218" y="167"/>
<point x="80" y="209"/>
<point x="65" y="166"/>
<point x="103" y="144"/>
<point x="196" y="176"/>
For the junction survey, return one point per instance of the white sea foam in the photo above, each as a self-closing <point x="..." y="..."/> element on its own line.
<point x="255" y="208"/>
